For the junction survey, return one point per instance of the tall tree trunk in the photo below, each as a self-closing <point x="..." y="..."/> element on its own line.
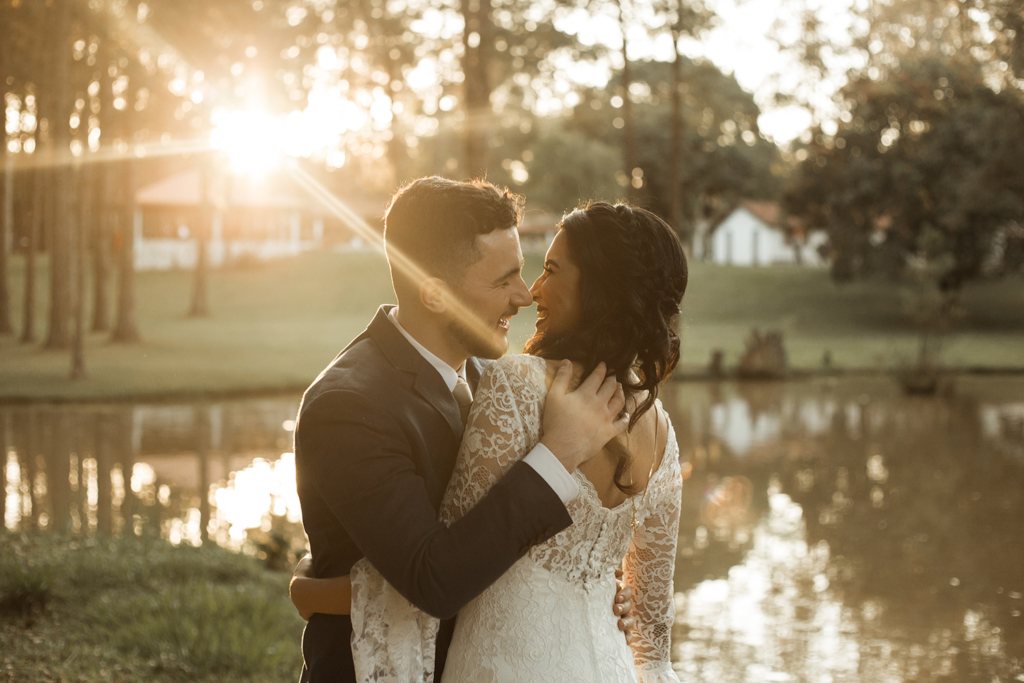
<point x="200" y="307"/>
<point x="629" y="153"/>
<point x="103" y="181"/>
<point x="126" y="329"/>
<point x="59" y="334"/>
<point x="42" y="191"/>
<point x="396" y="145"/>
<point x="477" y="42"/>
<point x="100" y="244"/>
<point x="7" y="188"/>
<point x="6" y="233"/>
<point x="80" y="250"/>
<point x="28" y="320"/>
<point x="675" y="191"/>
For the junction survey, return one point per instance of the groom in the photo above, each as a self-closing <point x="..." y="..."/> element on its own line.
<point x="379" y="429"/>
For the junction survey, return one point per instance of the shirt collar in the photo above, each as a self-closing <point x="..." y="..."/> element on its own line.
<point x="449" y="374"/>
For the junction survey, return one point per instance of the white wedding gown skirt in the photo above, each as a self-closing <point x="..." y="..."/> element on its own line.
<point x="536" y="625"/>
<point x="549" y="617"/>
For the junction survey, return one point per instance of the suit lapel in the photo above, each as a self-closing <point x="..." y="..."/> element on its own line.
<point x="428" y="383"/>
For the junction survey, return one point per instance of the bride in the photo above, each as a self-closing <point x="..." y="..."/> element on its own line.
<point x="613" y="280"/>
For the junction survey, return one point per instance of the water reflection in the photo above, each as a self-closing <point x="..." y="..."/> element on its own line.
<point x="832" y="530"/>
<point x="189" y="473"/>
<point x="883" y="540"/>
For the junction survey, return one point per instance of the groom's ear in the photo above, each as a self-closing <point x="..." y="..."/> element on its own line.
<point x="434" y="295"/>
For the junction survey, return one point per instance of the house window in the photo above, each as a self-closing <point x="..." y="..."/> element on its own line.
<point x="757" y="248"/>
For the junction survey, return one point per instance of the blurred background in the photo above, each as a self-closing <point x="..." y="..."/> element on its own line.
<point x="191" y="197"/>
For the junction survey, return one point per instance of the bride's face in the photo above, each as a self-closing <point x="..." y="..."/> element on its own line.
<point x="557" y="291"/>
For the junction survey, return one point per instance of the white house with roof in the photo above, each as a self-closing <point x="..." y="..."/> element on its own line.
<point x="752" y="235"/>
<point x="258" y="218"/>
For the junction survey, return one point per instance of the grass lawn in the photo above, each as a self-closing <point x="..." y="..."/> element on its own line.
<point x="275" y="326"/>
<point x="136" y="609"/>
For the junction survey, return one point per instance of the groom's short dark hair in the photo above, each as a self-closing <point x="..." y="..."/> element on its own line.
<point x="435" y="222"/>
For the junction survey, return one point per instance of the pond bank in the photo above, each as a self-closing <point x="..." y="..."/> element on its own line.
<point x="273" y="327"/>
<point x="157" y="397"/>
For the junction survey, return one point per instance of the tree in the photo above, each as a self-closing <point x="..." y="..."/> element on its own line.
<point x="103" y="218"/>
<point x="6" y="233"/>
<point x="28" y="325"/>
<point x="126" y="329"/>
<point x="59" y="332"/>
<point x="629" y="150"/>
<point x="724" y="157"/>
<point x="79" y="262"/>
<point x="7" y="171"/>
<point x="503" y="48"/>
<point x="683" y="19"/>
<point x="922" y="165"/>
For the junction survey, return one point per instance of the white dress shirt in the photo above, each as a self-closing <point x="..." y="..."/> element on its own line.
<point x="540" y="458"/>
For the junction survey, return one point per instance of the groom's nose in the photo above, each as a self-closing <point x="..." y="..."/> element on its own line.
<point x="521" y="296"/>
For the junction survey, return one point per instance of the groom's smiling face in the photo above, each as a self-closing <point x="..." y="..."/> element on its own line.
<point x="493" y="291"/>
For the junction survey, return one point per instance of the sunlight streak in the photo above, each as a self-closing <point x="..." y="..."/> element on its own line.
<point x="53" y="158"/>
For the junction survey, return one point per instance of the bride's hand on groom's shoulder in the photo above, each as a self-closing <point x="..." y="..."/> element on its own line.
<point x="623" y="606"/>
<point x="578" y="424"/>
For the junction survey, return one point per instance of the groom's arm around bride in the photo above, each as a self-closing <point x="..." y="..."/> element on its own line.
<point x="370" y="486"/>
<point x="378" y="432"/>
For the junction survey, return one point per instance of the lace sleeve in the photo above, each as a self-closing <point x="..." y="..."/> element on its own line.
<point x="503" y="425"/>
<point x="649" y="568"/>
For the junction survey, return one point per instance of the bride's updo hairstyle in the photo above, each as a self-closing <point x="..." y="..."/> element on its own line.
<point x="633" y="275"/>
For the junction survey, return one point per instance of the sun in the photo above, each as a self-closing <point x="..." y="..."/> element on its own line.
<point x="253" y="140"/>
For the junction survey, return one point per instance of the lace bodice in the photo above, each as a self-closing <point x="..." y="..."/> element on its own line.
<point x="504" y="425"/>
<point x="549" y="618"/>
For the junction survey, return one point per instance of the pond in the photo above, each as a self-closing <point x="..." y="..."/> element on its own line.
<point x="832" y="529"/>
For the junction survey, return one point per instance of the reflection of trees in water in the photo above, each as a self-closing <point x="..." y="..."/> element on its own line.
<point x="923" y="520"/>
<point x="901" y="498"/>
<point x="136" y="469"/>
<point x="723" y="498"/>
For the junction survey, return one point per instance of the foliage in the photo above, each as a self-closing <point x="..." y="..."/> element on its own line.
<point x="923" y="164"/>
<point x="724" y="156"/>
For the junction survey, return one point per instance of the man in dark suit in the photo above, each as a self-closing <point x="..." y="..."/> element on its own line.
<point x="379" y="429"/>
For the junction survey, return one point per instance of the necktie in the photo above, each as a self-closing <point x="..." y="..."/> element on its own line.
<point x="464" y="397"/>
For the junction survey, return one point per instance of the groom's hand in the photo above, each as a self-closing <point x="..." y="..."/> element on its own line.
<point x="577" y="424"/>
<point x="623" y="606"/>
<point x="303" y="570"/>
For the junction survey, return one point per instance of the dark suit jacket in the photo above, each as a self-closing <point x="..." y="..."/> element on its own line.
<point x="375" y="444"/>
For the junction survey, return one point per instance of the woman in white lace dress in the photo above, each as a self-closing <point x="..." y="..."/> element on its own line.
<point x="610" y="292"/>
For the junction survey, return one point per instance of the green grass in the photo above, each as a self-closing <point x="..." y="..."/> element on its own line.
<point x="140" y="609"/>
<point x="862" y="324"/>
<point x="275" y="326"/>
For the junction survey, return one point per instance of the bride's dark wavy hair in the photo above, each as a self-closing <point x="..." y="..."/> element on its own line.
<point x="633" y="275"/>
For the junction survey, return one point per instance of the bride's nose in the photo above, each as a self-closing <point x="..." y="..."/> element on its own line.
<point x="535" y="289"/>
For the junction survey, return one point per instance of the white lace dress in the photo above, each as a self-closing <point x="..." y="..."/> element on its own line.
<point x="549" y="618"/>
